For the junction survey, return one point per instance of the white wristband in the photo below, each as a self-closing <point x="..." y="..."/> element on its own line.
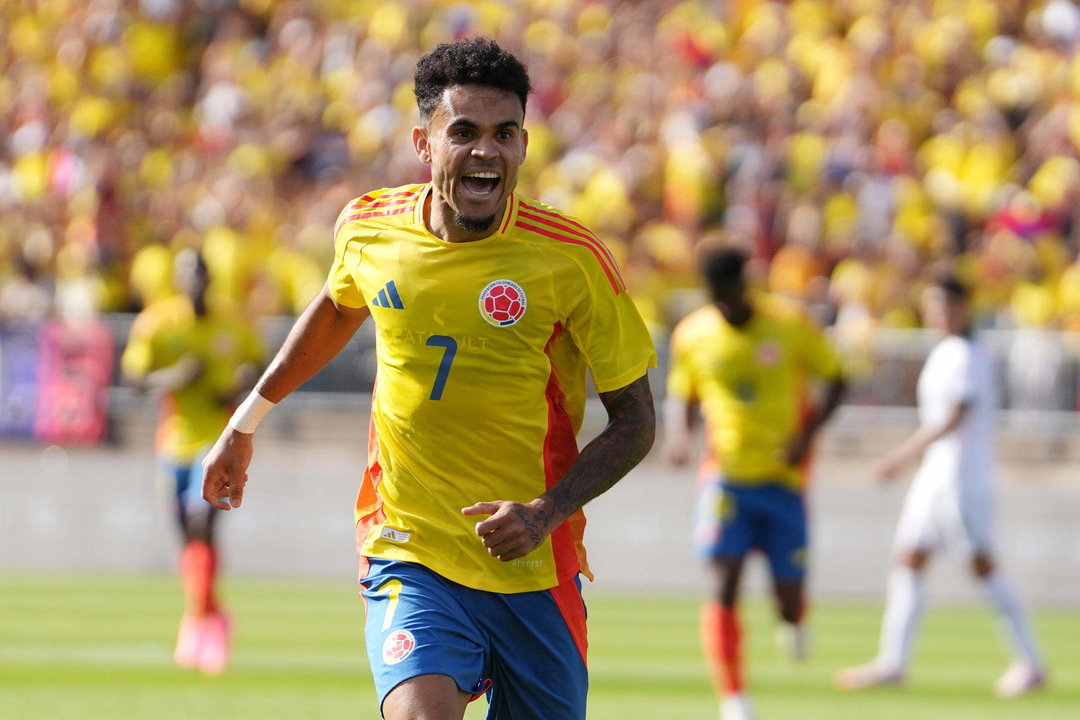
<point x="251" y="411"/>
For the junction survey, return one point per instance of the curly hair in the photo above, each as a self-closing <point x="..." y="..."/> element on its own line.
<point x="476" y="61"/>
<point x="954" y="288"/>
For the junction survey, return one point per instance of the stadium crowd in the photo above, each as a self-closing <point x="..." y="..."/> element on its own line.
<point x="852" y="146"/>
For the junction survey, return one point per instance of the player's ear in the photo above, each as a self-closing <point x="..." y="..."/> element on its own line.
<point x="420" y="144"/>
<point x="524" y="142"/>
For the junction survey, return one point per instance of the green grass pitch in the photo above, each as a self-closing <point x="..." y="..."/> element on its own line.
<point x="87" y="648"/>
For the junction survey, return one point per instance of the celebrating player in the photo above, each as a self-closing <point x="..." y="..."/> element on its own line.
<point x="201" y="360"/>
<point x="949" y="503"/>
<point x="488" y="308"/>
<point x="748" y="360"/>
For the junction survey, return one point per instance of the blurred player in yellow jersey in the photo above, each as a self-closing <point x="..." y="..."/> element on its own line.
<point x="488" y="308"/>
<point x="749" y="361"/>
<point x="200" y="361"/>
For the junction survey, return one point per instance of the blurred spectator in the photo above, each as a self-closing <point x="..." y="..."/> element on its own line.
<point x="24" y="298"/>
<point x="835" y="140"/>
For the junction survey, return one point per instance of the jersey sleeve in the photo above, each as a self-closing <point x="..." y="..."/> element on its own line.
<point x="963" y="383"/>
<point x="681" y="382"/>
<point x="138" y="357"/>
<point x="253" y="348"/>
<point x="607" y="328"/>
<point x="341" y="281"/>
<point x="821" y="358"/>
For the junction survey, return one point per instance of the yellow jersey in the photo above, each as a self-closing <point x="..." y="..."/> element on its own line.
<point x="482" y="353"/>
<point x="193" y="416"/>
<point x="751" y="382"/>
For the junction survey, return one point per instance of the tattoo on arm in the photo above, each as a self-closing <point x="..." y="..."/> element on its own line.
<point x="623" y="443"/>
<point x="534" y="526"/>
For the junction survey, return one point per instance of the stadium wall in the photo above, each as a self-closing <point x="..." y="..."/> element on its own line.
<point x="95" y="509"/>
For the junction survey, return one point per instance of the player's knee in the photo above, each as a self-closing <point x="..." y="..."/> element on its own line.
<point x="914" y="559"/>
<point x="789" y="600"/>
<point x="982" y="565"/>
<point x="791" y="607"/>
<point x="723" y="591"/>
<point x="198" y="531"/>
<point x="724" y="581"/>
<point x="790" y="612"/>
<point x="426" y="697"/>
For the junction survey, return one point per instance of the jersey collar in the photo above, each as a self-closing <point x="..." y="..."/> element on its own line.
<point x="507" y="221"/>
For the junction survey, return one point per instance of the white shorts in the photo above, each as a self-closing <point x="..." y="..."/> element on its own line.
<point x="940" y="513"/>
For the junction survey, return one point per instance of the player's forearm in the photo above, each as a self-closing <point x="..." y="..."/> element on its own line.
<point x="833" y="395"/>
<point x="678" y="419"/>
<point x="917" y="443"/>
<point x="317" y="337"/>
<point x="926" y="436"/>
<point x="171" y="378"/>
<point x="678" y="424"/>
<point x="623" y="443"/>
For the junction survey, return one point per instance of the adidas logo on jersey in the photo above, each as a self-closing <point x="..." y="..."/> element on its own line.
<point x="388" y="298"/>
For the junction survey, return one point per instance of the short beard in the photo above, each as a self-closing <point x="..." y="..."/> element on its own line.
<point x="470" y="225"/>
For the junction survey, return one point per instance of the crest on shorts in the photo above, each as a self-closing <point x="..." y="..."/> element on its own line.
<point x="398" y="646"/>
<point x="502" y="303"/>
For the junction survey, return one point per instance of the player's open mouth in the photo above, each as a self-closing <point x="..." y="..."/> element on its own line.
<point x="480" y="184"/>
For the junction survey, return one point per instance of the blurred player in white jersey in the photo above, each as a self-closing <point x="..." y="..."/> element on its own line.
<point x="950" y="502"/>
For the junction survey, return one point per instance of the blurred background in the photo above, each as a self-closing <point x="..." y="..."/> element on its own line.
<point x="852" y="147"/>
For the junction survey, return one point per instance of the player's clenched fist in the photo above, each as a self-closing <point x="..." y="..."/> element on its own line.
<point x="225" y="469"/>
<point x="514" y="530"/>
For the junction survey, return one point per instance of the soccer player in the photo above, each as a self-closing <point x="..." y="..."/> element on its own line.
<point x="201" y="360"/>
<point x="749" y="360"/>
<point x="488" y="309"/>
<point x="950" y="501"/>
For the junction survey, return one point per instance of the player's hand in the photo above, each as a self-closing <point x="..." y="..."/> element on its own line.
<point x="185" y="371"/>
<point x="225" y="469"/>
<point x="888" y="467"/>
<point x="179" y="375"/>
<point x="513" y="529"/>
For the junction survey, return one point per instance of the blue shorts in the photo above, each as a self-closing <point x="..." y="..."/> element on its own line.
<point x="183" y="485"/>
<point x="733" y="519"/>
<point x="525" y="650"/>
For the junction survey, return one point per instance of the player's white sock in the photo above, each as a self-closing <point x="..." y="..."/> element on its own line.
<point x="736" y="707"/>
<point x="793" y="640"/>
<point x="1014" y="618"/>
<point x="903" y="606"/>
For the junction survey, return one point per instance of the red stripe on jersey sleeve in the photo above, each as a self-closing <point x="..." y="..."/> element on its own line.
<point x="575" y="228"/>
<point x="352" y="207"/>
<point x="387" y="205"/>
<point x="574" y="241"/>
<point x="403" y="196"/>
<point x="411" y="190"/>
<point x="359" y="208"/>
<point x="381" y="211"/>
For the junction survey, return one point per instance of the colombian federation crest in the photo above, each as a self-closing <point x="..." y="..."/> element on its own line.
<point x="768" y="353"/>
<point x="398" y="646"/>
<point x="502" y="303"/>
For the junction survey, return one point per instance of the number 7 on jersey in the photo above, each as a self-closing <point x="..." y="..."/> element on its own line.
<point x="449" y="346"/>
